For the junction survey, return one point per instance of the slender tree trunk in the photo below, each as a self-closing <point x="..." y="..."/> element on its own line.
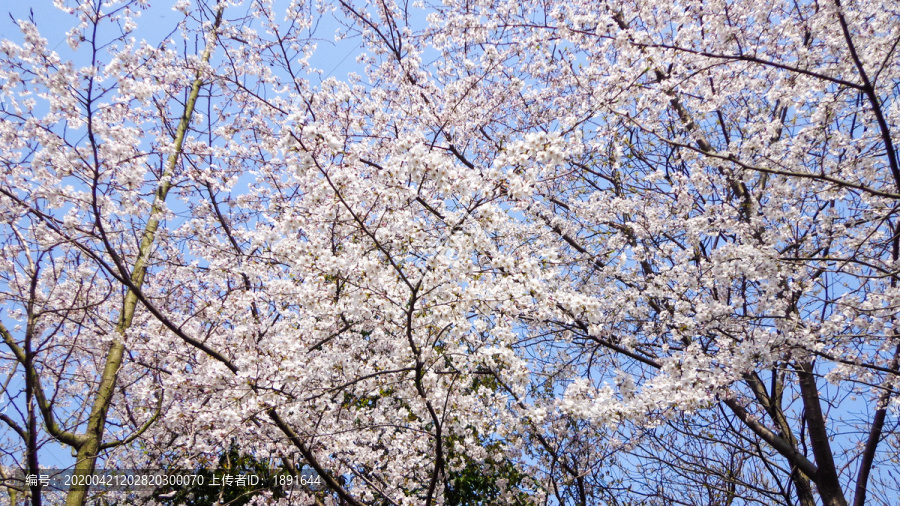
<point x="87" y="452"/>
<point x="826" y="476"/>
<point x="31" y="430"/>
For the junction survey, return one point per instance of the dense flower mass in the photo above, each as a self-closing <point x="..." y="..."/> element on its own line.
<point x="579" y="252"/>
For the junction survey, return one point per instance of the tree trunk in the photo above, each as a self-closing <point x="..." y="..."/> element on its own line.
<point x="93" y="437"/>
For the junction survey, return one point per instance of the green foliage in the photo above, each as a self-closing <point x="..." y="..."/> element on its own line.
<point x="232" y="463"/>
<point x="483" y="483"/>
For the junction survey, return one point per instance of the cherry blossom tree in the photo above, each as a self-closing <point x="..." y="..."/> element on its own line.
<point x="81" y="230"/>
<point x="577" y="252"/>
